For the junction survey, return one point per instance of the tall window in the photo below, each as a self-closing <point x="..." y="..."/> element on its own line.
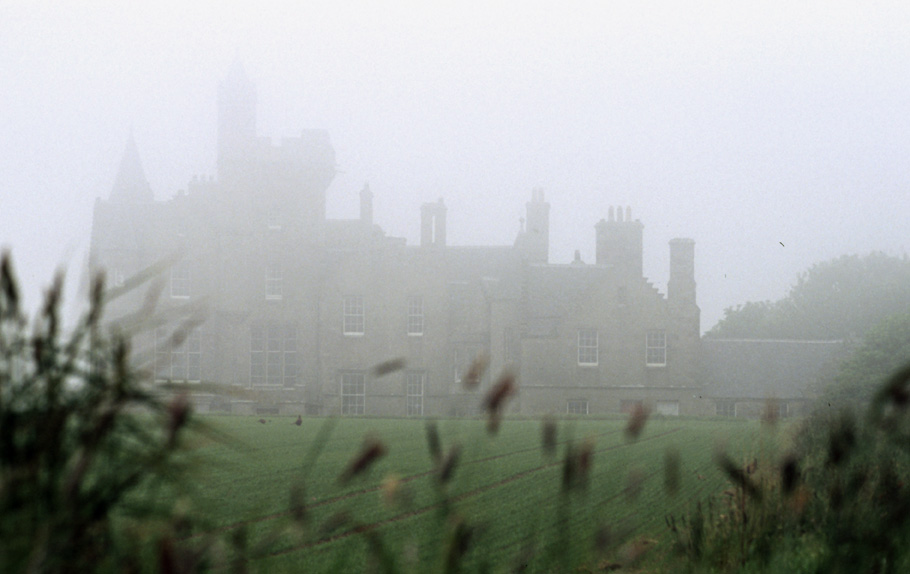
<point x="415" y="315"/>
<point x="177" y="362"/>
<point x="273" y="279"/>
<point x="353" y="315"/>
<point x="180" y="280"/>
<point x="587" y="347"/>
<point x="414" y="383"/>
<point x="577" y="407"/>
<point x="656" y="348"/>
<point x="353" y="391"/>
<point x="273" y="355"/>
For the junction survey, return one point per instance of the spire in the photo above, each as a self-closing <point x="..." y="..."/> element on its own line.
<point x="236" y="119"/>
<point x="236" y="76"/>
<point x="130" y="184"/>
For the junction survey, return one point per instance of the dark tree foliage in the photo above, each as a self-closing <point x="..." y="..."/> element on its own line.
<point x="884" y="349"/>
<point x="838" y="299"/>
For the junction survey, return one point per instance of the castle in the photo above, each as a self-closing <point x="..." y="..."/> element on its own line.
<point x="302" y="308"/>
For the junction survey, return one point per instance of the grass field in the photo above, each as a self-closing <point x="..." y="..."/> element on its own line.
<point x="506" y="494"/>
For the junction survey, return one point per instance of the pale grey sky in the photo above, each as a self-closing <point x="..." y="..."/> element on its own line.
<point x="774" y="135"/>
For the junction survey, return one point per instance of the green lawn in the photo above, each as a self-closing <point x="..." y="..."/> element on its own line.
<point x="505" y="488"/>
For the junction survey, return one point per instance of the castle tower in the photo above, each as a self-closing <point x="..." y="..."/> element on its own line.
<point x="537" y="231"/>
<point x="130" y="185"/>
<point x="236" y="122"/>
<point x="619" y="242"/>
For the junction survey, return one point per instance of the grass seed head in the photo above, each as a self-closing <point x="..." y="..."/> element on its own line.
<point x="738" y="476"/>
<point x="637" y="419"/>
<point x="771" y="412"/>
<point x="447" y="466"/>
<point x="476" y="371"/>
<point x="9" y="304"/>
<point x="391" y="489"/>
<point x="548" y="436"/>
<point x="496" y="398"/>
<point x="433" y="442"/>
<point x="390" y="366"/>
<point x="298" y="503"/>
<point x="672" y="471"/>
<point x="459" y="542"/>
<point x="569" y="469"/>
<point x="371" y="451"/>
<point x="178" y="412"/>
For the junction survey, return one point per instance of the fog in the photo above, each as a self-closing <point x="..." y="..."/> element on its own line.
<point x="775" y="136"/>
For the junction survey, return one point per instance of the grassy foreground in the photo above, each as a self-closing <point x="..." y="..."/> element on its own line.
<point x="277" y="485"/>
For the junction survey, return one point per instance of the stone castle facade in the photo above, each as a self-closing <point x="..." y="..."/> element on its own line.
<point x="300" y="308"/>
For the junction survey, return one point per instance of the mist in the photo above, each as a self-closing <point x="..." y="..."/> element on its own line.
<point x="773" y="136"/>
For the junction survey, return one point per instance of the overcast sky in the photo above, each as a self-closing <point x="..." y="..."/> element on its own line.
<point x="774" y="135"/>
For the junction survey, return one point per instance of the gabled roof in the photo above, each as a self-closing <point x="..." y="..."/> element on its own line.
<point x="766" y="368"/>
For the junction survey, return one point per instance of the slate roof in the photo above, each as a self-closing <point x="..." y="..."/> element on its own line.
<point x="762" y="368"/>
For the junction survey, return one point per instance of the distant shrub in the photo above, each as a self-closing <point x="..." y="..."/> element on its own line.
<point x="839" y="501"/>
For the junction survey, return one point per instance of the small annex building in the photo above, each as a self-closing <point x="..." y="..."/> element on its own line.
<point x="747" y="377"/>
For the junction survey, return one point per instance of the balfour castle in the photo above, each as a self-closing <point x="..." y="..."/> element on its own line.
<point x="301" y="308"/>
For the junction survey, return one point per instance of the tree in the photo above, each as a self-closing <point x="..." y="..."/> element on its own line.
<point x="883" y="351"/>
<point x="838" y="299"/>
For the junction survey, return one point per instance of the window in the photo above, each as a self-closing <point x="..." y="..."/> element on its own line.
<point x="726" y="408"/>
<point x="656" y="349"/>
<point x="414" y="383"/>
<point x="577" y="407"/>
<point x="667" y="408"/>
<point x="587" y="347"/>
<point x="353" y="390"/>
<point x="180" y="280"/>
<point x="273" y="355"/>
<point x="177" y="362"/>
<point x="353" y="316"/>
<point x="415" y="316"/>
<point x="273" y="279"/>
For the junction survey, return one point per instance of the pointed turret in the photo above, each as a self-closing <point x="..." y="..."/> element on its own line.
<point x="130" y="184"/>
<point x="236" y="119"/>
